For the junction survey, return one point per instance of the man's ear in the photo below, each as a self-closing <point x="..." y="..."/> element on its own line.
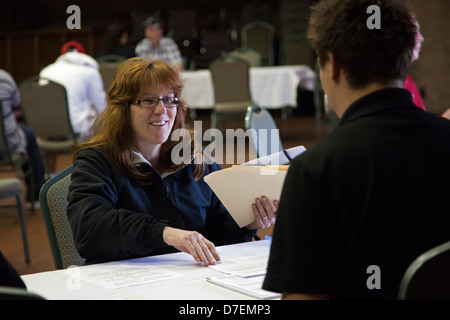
<point x="335" y="67"/>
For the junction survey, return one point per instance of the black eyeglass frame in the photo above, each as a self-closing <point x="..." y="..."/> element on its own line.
<point x="176" y="100"/>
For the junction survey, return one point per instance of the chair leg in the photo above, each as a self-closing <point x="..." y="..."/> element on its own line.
<point x="213" y="124"/>
<point x="50" y="164"/>
<point x="24" y="228"/>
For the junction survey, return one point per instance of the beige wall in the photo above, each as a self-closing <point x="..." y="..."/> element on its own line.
<point x="432" y="70"/>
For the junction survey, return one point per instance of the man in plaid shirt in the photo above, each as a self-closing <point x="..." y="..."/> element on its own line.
<point x="155" y="46"/>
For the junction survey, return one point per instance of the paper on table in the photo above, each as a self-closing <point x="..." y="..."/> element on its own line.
<point x="114" y="276"/>
<point x="251" y="286"/>
<point x="243" y="267"/>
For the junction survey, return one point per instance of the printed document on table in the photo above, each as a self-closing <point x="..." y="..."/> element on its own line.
<point x="119" y="275"/>
<point x="251" y="286"/>
<point x="243" y="267"/>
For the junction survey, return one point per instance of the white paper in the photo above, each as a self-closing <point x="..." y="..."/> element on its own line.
<point x="245" y="267"/>
<point x="278" y="158"/>
<point x="251" y="286"/>
<point x="115" y="275"/>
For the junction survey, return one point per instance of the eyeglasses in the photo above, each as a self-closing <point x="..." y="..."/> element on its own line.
<point x="168" y="102"/>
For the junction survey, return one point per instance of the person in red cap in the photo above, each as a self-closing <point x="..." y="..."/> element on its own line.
<point x="72" y="45"/>
<point x="79" y="73"/>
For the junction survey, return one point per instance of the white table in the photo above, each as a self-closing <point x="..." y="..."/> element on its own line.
<point x="191" y="285"/>
<point x="271" y="87"/>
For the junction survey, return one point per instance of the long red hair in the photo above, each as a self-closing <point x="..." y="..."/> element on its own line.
<point x="112" y="130"/>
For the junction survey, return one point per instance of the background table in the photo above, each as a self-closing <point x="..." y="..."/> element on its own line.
<point x="192" y="285"/>
<point x="271" y="87"/>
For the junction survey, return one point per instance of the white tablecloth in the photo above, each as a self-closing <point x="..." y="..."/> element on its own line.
<point x="271" y="87"/>
<point x="192" y="283"/>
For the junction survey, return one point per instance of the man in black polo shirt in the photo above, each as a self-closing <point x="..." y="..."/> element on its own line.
<point x="361" y="205"/>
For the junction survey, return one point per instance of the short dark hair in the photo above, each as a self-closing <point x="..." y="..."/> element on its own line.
<point x="366" y="55"/>
<point x="153" y="22"/>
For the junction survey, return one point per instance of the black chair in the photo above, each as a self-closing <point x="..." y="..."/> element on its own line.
<point x="10" y="293"/>
<point x="428" y="277"/>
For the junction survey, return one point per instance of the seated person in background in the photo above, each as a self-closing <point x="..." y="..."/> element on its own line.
<point x="20" y="138"/>
<point x="375" y="191"/>
<point x="410" y="85"/>
<point x="115" y="43"/>
<point x="128" y="198"/>
<point x="155" y="46"/>
<point x="79" y="74"/>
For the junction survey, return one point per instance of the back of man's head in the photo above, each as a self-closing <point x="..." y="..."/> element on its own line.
<point x="366" y="54"/>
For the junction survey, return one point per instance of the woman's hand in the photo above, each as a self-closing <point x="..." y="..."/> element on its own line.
<point x="193" y="243"/>
<point x="264" y="213"/>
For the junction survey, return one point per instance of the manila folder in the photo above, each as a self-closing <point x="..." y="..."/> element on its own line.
<point x="239" y="186"/>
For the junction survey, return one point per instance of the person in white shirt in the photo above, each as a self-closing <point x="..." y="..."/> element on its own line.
<point x="79" y="74"/>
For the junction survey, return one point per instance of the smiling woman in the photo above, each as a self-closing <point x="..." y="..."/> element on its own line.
<point x="127" y="197"/>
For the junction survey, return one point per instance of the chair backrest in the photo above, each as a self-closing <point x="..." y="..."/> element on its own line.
<point x="231" y="82"/>
<point x="263" y="131"/>
<point x="253" y="57"/>
<point x="259" y="36"/>
<point x="46" y="108"/>
<point x="428" y="277"/>
<point x="107" y="70"/>
<point x="12" y="293"/>
<point x="53" y="199"/>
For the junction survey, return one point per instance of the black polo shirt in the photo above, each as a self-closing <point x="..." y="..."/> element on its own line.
<point x="358" y="207"/>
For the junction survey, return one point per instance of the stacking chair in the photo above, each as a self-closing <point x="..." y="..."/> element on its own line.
<point x="257" y="119"/>
<point x="12" y="187"/>
<point x="18" y="294"/>
<point x="253" y="57"/>
<point x="107" y="70"/>
<point x="13" y="162"/>
<point x="231" y="82"/>
<point x="428" y="277"/>
<point x="46" y="111"/>
<point x="53" y="199"/>
<point x="259" y="36"/>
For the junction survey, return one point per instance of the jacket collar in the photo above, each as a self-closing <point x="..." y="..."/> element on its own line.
<point x="378" y="101"/>
<point x="138" y="159"/>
